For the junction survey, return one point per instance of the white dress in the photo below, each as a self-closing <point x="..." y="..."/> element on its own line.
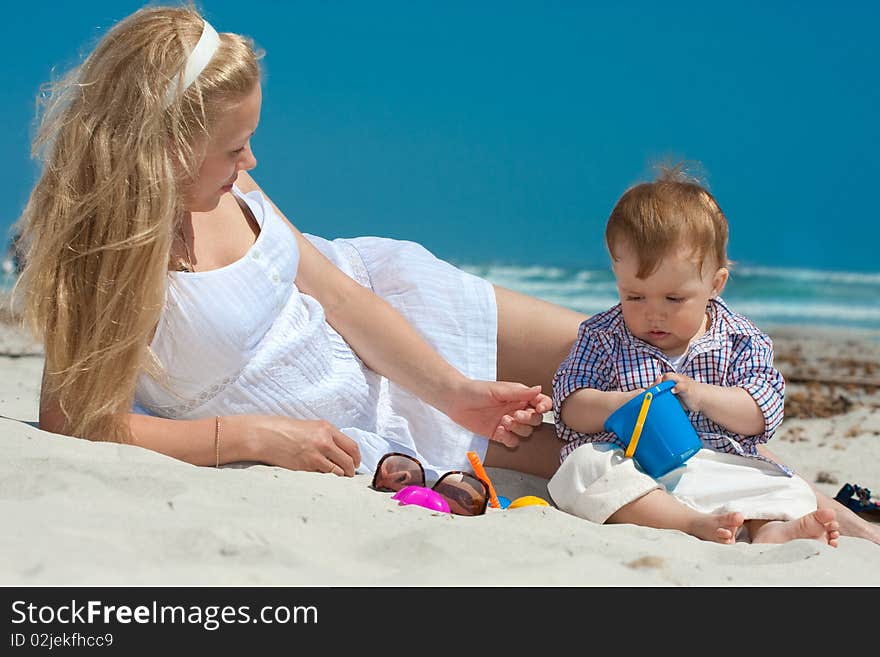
<point x="243" y="339"/>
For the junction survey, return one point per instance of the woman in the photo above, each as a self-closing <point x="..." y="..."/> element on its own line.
<point x="260" y="347"/>
<point x="161" y="279"/>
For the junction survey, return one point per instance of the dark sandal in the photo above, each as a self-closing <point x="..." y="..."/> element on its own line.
<point x="858" y="499"/>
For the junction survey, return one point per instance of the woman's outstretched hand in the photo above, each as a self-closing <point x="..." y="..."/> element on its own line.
<point x="310" y="445"/>
<point x="500" y="410"/>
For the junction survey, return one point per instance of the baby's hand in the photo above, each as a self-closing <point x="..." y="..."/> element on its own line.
<point x="688" y="390"/>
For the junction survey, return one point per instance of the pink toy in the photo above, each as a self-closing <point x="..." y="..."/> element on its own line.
<point x="422" y="496"/>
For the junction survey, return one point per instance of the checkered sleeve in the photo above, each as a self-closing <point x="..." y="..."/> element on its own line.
<point x="752" y="370"/>
<point x="588" y="365"/>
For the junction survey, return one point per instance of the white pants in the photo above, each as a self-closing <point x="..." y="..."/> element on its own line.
<point x="596" y="480"/>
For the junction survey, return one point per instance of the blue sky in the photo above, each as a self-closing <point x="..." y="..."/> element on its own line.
<point x="505" y="131"/>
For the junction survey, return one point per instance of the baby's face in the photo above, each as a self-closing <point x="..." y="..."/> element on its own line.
<point x="668" y="308"/>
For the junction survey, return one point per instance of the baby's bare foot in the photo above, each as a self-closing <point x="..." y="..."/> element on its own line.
<point x="820" y="525"/>
<point x="717" y="528"/>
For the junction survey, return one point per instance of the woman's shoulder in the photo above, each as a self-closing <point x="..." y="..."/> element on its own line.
<point x="246" y="183"/>
<point x="247" y="186"/>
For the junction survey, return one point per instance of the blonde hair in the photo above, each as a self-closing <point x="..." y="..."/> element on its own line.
<point x="673" y="211"/>
<point x="97" y="228"/>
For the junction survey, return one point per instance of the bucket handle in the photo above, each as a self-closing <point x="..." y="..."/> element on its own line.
<point x="640" y="423"/>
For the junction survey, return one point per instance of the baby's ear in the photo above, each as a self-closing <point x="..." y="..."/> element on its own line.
<point x="719" y="281"/>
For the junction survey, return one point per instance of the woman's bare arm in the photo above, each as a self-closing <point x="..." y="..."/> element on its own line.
<point x="312" y="445"/>
<point x="389" y="345"/>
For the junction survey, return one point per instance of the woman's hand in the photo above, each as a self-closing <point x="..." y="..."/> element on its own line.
<point x="310" y="445"/>
<point x="500" y="410"/>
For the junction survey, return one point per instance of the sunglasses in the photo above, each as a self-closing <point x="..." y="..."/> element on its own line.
<point x="466" y="494"/>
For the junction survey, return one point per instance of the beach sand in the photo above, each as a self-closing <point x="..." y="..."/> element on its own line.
<point x="80" y="513"/>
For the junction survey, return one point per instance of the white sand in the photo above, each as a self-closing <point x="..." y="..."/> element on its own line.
<point x="83" y="513"/>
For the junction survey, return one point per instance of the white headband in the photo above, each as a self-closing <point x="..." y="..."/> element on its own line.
<point x="196" y="62"/>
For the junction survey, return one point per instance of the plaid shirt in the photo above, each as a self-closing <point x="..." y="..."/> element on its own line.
<point x="732" y="352"/>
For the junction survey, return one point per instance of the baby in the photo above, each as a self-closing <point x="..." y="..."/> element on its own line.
<point x="668" y="245"/>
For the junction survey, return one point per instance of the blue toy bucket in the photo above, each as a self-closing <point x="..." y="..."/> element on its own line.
<point x="667" y="437"/>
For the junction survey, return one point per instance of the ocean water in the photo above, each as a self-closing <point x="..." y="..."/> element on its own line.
<point x="768" y="296"/>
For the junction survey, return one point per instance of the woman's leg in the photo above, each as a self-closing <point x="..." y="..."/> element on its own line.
<point x="534" y="337"/>
<point x="538" y="454"/>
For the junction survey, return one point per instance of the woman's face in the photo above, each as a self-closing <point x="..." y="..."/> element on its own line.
<point x="228" y="151"/>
